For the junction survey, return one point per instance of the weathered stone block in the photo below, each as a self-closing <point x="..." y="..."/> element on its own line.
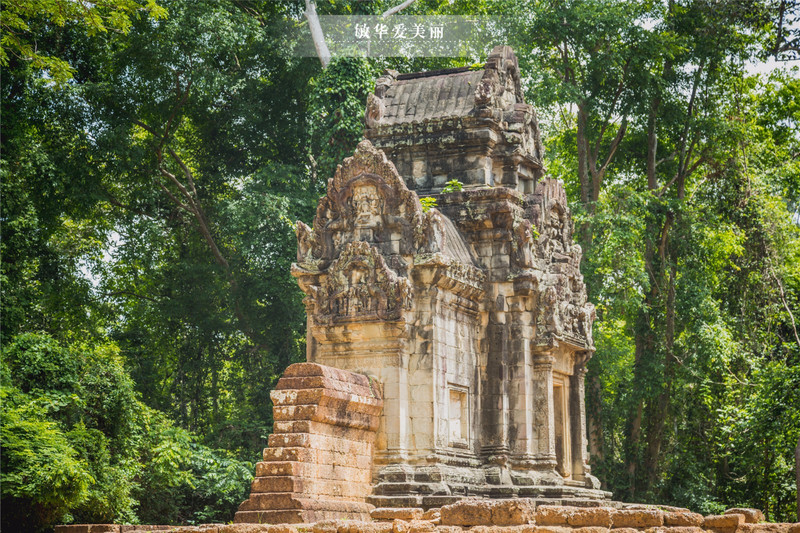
<point x="673" y="529"/>
<point x="88" y="528"/>
<point x="325" y="526"/>
<point x="513" y="512"/>
<point x="591" y="517"/>
<point x="432" y="514"/>
<point x="548" y="515"/>
<point x="591" y="529"/>
<point x="421" y="526"/>
<point x="728" y="522"/>
<point x="244" y="528"/>
<point x="397" y="513"/>
<point x="468" y="512"/>
<point x="549" y="529"/>
<point x="637" y="518"/>
<point x="751" y="516"/>
<point x="683" y="519"/>
<point x="768" y="528"/>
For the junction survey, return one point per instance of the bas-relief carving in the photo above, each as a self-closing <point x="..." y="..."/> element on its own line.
<point x="367" y="205"/>
<point x="567" y="314"/>
<point x="366" y="201"/>
<point x="359" y="286"/>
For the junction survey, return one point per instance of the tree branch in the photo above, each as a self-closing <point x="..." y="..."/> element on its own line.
<point x="185" y="169"/>
<point x="316" y="34"/>
<point x="115" y="202"/>
<point x="615" y="143"/>
<point x="179" y="185"/>
<point x="173" y="198"/>
<point x="617" y="93"/>
<point x="784" y="302"/>
<point x="396" y="9"/>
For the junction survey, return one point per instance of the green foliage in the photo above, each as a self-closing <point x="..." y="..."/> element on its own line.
<point x="43" y="475"/>
<point x="428" y="203"/>
<point x="336" y="111"/>
<point x="452" y="186"/>
<point x="83" y="448"/>
<point x="19" y="19"/>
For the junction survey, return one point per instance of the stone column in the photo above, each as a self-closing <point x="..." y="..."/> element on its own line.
<point x="544" y="438"/>
<point x="577" y="413"/>
<point x="494" y="404"/>
<point x="520" y="382"/>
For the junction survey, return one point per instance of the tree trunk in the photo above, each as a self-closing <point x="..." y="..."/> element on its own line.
<point x="316" y="34"/>
<point x="583" y="156"/>
<point x="797" y="475"/>
<point x="657" y="418"/>
<point x="595" y="420"/>
<point x="652" y="148"/>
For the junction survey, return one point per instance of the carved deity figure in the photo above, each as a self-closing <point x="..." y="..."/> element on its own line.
<point x="375" y="111"/>
<point x="305" y="243"/>
<point x="556" y="238"/>
<point x="552" y="319"/>
<point x="522" y="244"/>
<point x="367" y="206"/>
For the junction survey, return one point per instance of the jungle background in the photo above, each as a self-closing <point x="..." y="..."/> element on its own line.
<point x="156" y="153"/>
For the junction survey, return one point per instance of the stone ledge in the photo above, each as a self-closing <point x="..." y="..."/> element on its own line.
<point x="473" y="515"/>
<point x="409" y="526"/>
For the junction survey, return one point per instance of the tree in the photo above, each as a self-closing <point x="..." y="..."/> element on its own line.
<point x="25" y="21"/>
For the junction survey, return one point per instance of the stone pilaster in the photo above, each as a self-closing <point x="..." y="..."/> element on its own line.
<point x="544" y="442"/>
<point x="521" y="395"/>
<point x="580" y="443"/>
<point x="495" y="397"/>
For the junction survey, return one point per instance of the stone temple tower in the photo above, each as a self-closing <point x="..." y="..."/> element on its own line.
<point x="471" y="316"/>
<point x="474" y="315"/>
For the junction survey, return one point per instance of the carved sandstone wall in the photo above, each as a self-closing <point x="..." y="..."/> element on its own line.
<point x="318" y="463"/>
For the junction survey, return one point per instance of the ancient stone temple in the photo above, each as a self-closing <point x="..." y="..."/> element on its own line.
<point x="471" y="316"/>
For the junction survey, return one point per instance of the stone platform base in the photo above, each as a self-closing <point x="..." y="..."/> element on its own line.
<point x="434" y="485"/>
<point x="514" y="515"/>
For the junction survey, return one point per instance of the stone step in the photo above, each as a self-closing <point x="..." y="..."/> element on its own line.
<point x="319" y="442"/>
<point x="312" y="470"/>
<point x="310" y="486"/>
<point x="326" y="457"/>
<point x="327" y="414"/>
<point x="294" y="516"/>
<point x="286" y="501"/>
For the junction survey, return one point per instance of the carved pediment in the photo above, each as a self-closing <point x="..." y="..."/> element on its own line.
<point x="359" y="286"/>
<point x="366" y="201"/>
